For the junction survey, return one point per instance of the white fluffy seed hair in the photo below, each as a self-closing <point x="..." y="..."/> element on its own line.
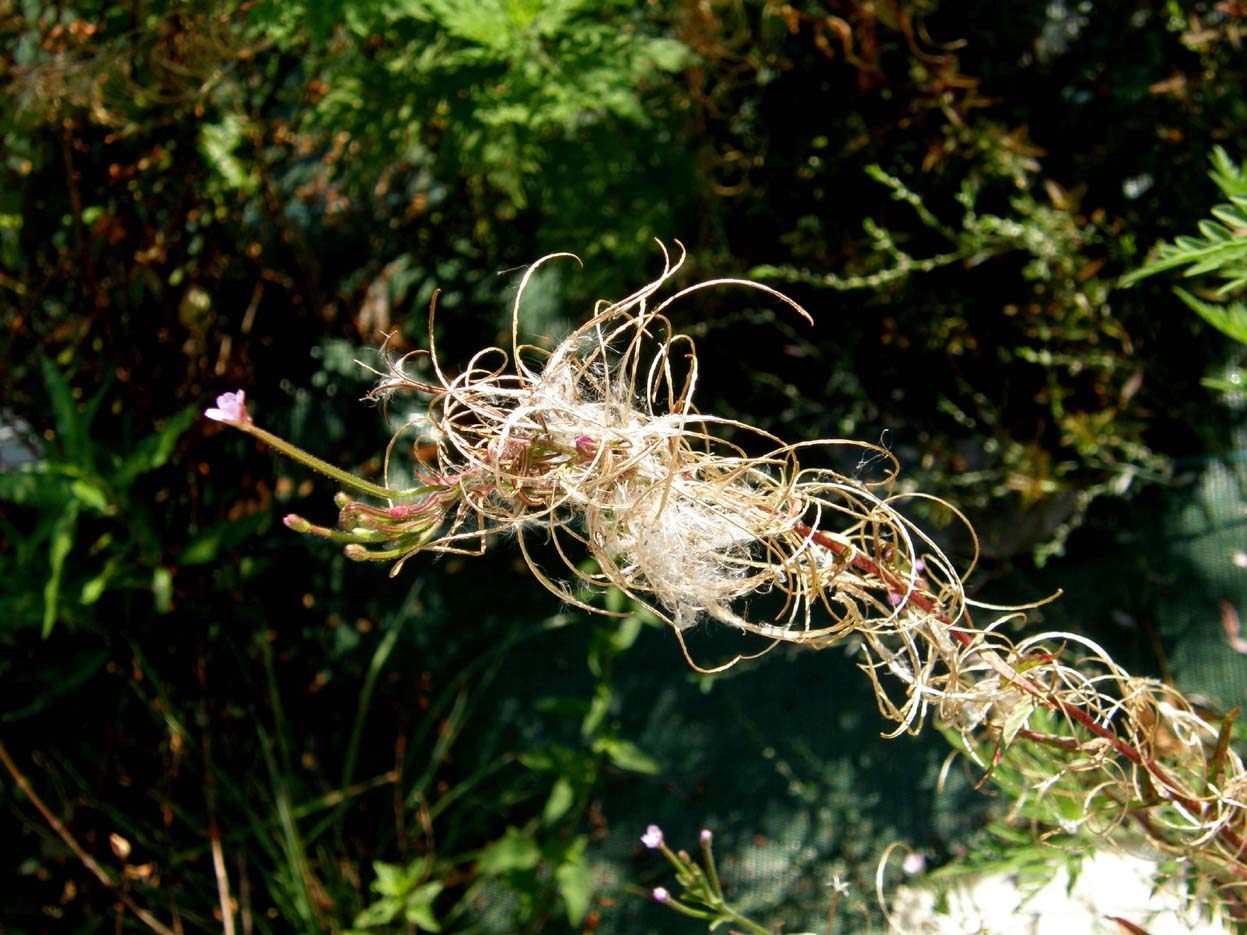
<point x="596" y="448"/>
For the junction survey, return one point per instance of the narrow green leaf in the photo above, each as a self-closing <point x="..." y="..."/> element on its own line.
<point x="154" y="450"/>
<point x="1229" y="319"/>
<point x="94" y="587"/>
<point x="62" y="542"/>
<point x="598" y="709"/>
<point x="162" y="590"/>
<point x="92" y="494"/>
<point x="220" y="537"/>
<point x="69" y="428"/>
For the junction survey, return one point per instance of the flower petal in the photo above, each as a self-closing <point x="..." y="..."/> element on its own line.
<point x="230" y="408"/>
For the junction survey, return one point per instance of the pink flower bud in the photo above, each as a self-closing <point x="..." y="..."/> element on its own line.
<point x="660" y="894"/>
<point x="652" y="837"/>
<point x="230" y="408"/>
<point x="706" y="836"/>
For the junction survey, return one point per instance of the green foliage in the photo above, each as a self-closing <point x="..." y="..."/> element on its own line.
<point x="200" y="198"/>
<point x="1055" y="318"/>
<point x="83" y="524"/>
<point x="1218" y="254"/>
<point x="403" y="893"/>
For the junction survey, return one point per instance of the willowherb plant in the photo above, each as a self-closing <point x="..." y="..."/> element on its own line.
<point x="596" y="447"/>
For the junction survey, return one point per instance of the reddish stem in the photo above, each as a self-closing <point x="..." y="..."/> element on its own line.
<point x="923" y="601"/>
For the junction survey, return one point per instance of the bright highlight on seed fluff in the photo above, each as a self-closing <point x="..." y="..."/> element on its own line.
<point x="596" y="449"/>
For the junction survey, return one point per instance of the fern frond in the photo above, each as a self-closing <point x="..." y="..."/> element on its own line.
<point x="1220" y="250"/>
<point x="1228" y="318"/>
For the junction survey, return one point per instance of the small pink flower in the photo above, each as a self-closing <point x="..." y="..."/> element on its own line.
<point x="230" y="408"/>
<point x="706" y="836"/>
<point x="919" y="566"/>
<point x="652" y="837"/>
<point x="896" y="598"/>
<point x="660" y="894"/>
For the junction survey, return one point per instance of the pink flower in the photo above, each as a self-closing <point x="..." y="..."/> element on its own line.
<point x="230" y="408"/>
<point x="914" y="863"/>
<point x="652" y="837"/>
<point x="896" y="598"/>
<point x="660" y="894"/>
<point x="706" y="836"/>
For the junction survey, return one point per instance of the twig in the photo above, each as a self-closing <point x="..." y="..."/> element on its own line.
<point x="79" y="851"/>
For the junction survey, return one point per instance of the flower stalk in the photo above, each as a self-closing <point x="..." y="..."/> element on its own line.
<point x="600" y="451"/>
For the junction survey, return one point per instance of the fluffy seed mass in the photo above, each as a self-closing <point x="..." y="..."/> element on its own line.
<point x="595" y="450"/>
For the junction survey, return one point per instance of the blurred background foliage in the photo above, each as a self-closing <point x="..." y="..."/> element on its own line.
<point x="246" y="731"/>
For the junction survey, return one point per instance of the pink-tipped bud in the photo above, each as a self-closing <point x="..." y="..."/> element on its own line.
<point x="297" y="523"/>
<point x="913" y="864"/>
<point x="896" y="598"/>
<point x="342" y="500"/>
<point x="706" y="836"/>
<point x="652" y="837"/>
<point x="355" y="552"/>
<point x="230" y="408"/>
<point x="919" y="566"/>
<point x="586" y="446"/>
<point x="660" y="894"/>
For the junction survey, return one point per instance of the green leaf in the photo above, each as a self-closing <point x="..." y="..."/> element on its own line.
<point x="162" y="590"/>
<point x="62" y="542"/>
<point x="1230" y="320"/>
<point x="218" y="142"/>
<point x="391" y="878"/>
<point x="1016" y="720"/>
<point x="92" y="494"/>
<point x="93" y="588"/>
<point x="221" y="537"/>
<point x="562" y="795"/>
<point x="553" y="759"/>
<point x="35" y="485"/>
<point x="154" y="451"/>
<point x="626" y="755"/>
<point x="381" y="912"/>
<point x="598" y="709"/>
<point x="575" y="883"/>
<point x="70" y="429"/>
<point x="668" y="54"/>
<point x="515" y="850"/>
<point x="419" y="908"/>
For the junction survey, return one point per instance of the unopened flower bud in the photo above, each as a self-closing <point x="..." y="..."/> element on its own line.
<point x="660" y="894"/>
<point x="120" y="846"/>
<point x="355" y="552"/>
<point x="297" y="523"/>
